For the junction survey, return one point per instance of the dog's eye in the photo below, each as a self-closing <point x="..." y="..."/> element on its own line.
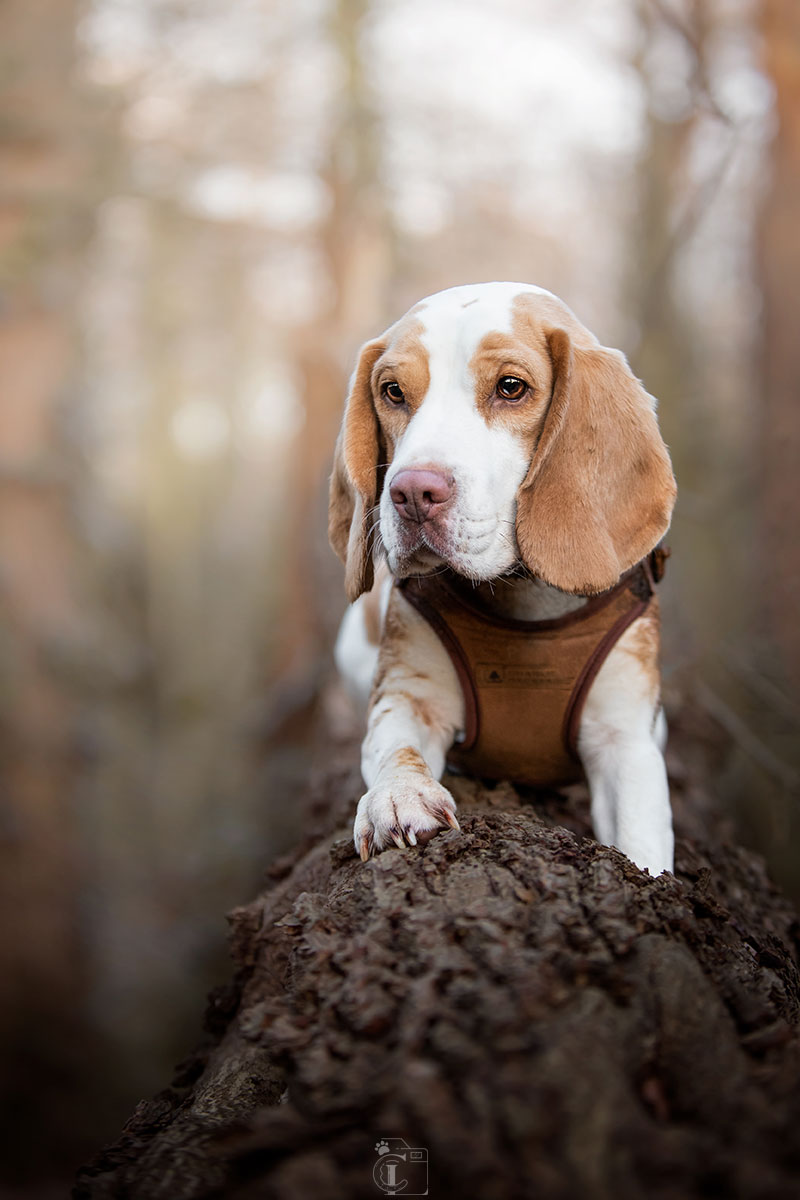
<point x="511" y="388"/>
<point x="392" y="392"/>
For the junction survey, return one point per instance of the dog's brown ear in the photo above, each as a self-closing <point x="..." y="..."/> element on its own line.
<point x="354" y="480"/>
<point x="600" y="491"/>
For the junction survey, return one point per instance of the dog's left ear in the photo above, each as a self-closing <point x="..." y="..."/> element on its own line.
<point x="599" y="492"/>
<point x="355" y="477"/>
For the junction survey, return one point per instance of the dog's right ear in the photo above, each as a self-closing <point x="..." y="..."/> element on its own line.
<point x="354" y="480"/>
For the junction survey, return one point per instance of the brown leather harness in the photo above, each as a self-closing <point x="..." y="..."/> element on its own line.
<point x="525" y="682"/>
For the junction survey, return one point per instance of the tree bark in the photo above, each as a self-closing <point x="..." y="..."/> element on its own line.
<point x="540" y="1016"/>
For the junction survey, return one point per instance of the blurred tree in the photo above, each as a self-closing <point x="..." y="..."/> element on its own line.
<point x="675" y="351"/>
<point x="780" y="271"/>
<point x="48" y="150"/>
<point x="357" y="246"/>
<point x="697" y="359"/>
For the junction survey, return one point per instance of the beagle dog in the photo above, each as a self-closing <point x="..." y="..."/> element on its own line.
<point x="499" y="487"/>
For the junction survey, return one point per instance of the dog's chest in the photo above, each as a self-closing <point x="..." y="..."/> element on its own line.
<point x="525" y="682"/>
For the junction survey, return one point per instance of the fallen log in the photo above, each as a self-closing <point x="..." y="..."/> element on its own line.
<point x="523" y="1008"/>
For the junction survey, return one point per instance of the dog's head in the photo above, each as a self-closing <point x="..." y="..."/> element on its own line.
<point x="488" y="427"/>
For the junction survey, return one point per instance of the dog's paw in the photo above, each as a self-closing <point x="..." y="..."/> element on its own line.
<point x="407" y="810"/>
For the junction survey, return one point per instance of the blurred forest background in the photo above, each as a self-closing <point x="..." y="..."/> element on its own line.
<point x="205" y="206"/>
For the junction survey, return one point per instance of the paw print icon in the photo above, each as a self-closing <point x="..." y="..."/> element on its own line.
<point x="401" y="1170"/>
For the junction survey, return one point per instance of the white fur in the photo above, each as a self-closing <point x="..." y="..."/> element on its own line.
<point x="622" y="729"/>
<point x="620" y="744"/>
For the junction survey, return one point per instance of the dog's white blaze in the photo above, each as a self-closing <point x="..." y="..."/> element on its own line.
<point x="448" y="431"/>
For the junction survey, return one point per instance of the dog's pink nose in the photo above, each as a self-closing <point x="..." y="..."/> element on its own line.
<point x="419" y="494"/>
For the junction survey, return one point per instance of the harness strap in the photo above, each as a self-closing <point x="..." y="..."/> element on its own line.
<point x="572" y="717"/>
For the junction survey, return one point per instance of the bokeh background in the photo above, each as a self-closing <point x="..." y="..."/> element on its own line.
<point x="205" y="206"/>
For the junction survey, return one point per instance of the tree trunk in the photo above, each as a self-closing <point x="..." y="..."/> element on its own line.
<point x="539" y="1016"/>
<point x="50" y="145"/>
<point x="356" y="248"/>
<point x="780" y="263"/>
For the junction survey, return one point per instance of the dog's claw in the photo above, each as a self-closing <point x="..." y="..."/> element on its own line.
<point x="407" y="810"/>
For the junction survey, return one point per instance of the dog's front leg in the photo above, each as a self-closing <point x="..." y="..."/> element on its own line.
<point x="630" y="799"/>
<point x="620" y="744"/>
<point x="415" y="710"/>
